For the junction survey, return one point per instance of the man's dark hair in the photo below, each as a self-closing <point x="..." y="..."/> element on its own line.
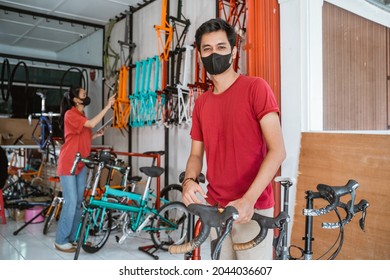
<point x="213" y="25"/>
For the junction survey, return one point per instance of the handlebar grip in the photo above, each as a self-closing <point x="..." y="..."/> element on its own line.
<point x="182" y="249"/>
<point x="265" y="224"/>
<point x="75" y="162"/>
<point x="209" y="216"/>
<point x="193" y="244"/>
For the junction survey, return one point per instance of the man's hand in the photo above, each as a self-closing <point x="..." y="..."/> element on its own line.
<point x="190" y="190"/>
<point x="245" y="210"/>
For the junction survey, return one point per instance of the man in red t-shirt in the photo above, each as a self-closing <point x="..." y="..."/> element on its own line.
<point x="236" y="124"/>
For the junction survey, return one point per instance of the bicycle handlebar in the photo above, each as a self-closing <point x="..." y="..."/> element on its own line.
<point x="210" y="216"/>
<point x="48" y="114"/>
<point x="109" y="160"/>
<point x="333" y="194"/>
<point x="215" y="217"/>
<point x="43" y="114"/>
<point x="360" y="207"/>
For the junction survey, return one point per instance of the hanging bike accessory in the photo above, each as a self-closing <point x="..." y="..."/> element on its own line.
<point x="234" y="12"/>
<point x="143" y="102"/>
<point x="164" y="29"/>
<point x="43" y="131"/>
<point x="122" y="102"/>
<point x="5" y="90"/>
<point x="26" y="79"/>
<point x="84" y="81"/>
<point x="109" y="53"/>
<point x="177" y="53"/>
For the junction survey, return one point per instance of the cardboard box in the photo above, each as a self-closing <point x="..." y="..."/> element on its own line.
<point x="17" y="214"/>
<point x="11" y="129"/>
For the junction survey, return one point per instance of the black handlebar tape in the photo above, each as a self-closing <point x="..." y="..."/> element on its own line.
<point x="210" y="216"/>
<point x="265" y="224"/>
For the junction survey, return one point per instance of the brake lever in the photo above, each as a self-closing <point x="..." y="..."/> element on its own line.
<point x="364" y="205"/>
<point x="216" y="244"/>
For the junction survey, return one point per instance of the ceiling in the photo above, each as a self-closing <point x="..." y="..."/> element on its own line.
<point x="53" y="25"/>
<point x="383" y="4"/>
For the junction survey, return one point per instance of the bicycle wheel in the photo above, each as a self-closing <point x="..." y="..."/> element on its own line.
<point x="50" y="217"/>
<point x="99" y="230"/>
<point x="165" y="234"/>
<point x="80" y="237"/>
<point x="171" y="193"/>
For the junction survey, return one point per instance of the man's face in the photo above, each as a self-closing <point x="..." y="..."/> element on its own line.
<point x="214" y="42"/>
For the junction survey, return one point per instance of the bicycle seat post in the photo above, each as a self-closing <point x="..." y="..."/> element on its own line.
<point x="43" y="101"/>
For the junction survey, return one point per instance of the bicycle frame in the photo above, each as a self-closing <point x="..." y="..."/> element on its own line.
<point x="44" y="123"/>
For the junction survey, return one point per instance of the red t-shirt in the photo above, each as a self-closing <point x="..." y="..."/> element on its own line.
<point x="78" y="139"/>
<point x="228" y="125"/>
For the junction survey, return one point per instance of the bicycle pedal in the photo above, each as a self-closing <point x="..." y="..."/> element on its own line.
<point x="122" y="239"/>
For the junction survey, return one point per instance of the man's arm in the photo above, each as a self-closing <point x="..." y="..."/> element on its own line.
<point x="276" y="154"/>
<point x="193" y="169"/>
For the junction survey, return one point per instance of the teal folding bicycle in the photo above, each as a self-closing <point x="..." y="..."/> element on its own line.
<point x="166" y="225"/>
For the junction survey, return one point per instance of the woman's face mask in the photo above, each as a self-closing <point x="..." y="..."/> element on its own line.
<point x="86" y="101"/>
<point x="216" y="63"/>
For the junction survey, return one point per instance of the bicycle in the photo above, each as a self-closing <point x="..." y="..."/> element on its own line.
<point x="45" y="139"/>
<point x="223" y="219"/>
<point x="167" y="224"/>
<point x="53" y="212"/>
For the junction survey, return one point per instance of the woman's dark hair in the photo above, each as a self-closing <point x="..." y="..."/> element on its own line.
<point x="213" y="25"/>
<point x="67" y="103"/>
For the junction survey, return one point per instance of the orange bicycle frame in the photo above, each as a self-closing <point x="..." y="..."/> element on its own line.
<point x="164" y="28"/>
<point x="122" y="102"/>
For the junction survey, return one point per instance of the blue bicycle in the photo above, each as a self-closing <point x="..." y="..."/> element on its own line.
<point x="43" y="131"/>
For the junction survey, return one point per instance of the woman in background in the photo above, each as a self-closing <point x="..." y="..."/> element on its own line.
<point x="78" y="139"/>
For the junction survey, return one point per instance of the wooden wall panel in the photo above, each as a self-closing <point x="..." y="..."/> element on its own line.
<point x="333" y="159"/>
<point x="355" y="78"/>
<point x="388" y="75"/>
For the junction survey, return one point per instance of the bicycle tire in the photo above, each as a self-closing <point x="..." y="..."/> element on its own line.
<point x="5" y="66"/>
<point x="26" y="73"/>
<point x="99" y="232"/>
<point x="172" y="193"/>
<point x="50" y="218"/>
<point x="175" y="212"/>
<point x="80" y="240"/>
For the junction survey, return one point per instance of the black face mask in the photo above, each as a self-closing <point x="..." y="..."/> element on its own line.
<point x="216" y="63"/>
<point x="86" y="101"/>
